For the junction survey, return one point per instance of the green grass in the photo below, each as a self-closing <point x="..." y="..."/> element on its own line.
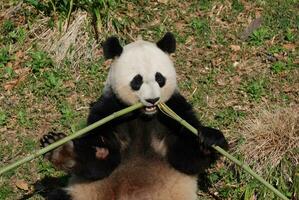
<point x="4" y="57"/>
<point x="39" y="60"/>
<point x="255" y="89"/>
<point x="224" y="85"/>
<point x="5" y="191"/>
<point x="259" y="36"/>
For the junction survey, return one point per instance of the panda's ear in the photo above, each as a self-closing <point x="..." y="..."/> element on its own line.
<point x="112" y="48"/>
<point x="167" y="43"/>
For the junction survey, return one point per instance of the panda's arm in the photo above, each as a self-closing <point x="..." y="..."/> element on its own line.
<point x="95" y="155"/>
<point x="187" y="152"/>
<point x="90" y="148"/>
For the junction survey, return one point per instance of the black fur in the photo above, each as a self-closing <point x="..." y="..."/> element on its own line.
<point x="136" y="82"/>
<point x="186" y="152"/>
<point x="58" y="194"/>
<point x="161" y="80"/>
<point x="88" y="166"/>
<point x="112" y="48"/>
<point x="167" y="43"/>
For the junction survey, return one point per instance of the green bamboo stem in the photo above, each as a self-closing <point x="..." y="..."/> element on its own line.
<point x="69" y="138"/>
<point x="165" y="109"/>
<point x="69" y="14"/>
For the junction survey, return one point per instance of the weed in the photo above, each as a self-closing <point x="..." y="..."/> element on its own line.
<point x="221" y="39"/>
<point x="29" y="144"/>
<point x="7" y="27"/>
<point x="4" y="57"/>
<point x="278" y="67"/>
<point x="52" y="79"/>
<point x="9" y="72"/>
<point x="290" y="35"/>
<point x="228" y="116"/>
<point x="45" y="168"/>
<point x="205" y="4"/>
<point x="5" y="191"/>
<point x="255" y="89"/>
<point x="23" y="119"/>
<point x="275" y="49"/>
<point x="39" y="60"/>
<point x="237" y="6"/>
<point x="259" y="36"/>
<point x="3" y="117"/>
<point x="201" y="28"/>
<point x="67" y="113"/>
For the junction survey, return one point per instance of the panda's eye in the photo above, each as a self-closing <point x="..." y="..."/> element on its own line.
<point x="136" y="82"/>
<point x="160" y="79"/>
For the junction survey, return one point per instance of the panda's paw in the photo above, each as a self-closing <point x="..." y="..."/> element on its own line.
<point x="61" y="157"/>
<point x="50" y="138"/>
<point x="212" y="137"/>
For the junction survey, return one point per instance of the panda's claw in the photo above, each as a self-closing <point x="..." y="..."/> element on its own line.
<point x="50" y="138"/>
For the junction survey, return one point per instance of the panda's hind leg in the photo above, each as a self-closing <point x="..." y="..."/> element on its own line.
<point x="58" y="194"/>
<point x="63" y="157"/>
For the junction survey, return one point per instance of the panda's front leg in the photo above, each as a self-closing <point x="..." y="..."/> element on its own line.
<point x="91" y="157"/>
<point x="187" y="152"/>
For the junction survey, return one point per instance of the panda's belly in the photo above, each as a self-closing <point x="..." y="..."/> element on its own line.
<point x="139" y="179"/>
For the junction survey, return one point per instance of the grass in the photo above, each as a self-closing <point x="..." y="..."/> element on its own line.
<point x="52" y="68"/>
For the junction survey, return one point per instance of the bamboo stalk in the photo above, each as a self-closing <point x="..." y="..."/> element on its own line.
<point x="166" y="110"/>
<point x="69" y="138"/>
<point x="69" y="14"/>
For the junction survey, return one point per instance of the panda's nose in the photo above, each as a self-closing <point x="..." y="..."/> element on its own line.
<point x="153" y="101"/>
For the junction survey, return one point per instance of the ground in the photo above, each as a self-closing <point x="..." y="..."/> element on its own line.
<point x="237" y="63"/>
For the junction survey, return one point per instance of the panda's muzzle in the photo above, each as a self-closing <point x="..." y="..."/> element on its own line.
<point x="152" y="101"/>
<point x="152" y="108"/>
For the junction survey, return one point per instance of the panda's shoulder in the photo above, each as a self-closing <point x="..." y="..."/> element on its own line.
<point x="104" y="106"/>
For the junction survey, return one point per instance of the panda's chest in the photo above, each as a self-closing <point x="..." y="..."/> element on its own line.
<point x="143" y="138"/>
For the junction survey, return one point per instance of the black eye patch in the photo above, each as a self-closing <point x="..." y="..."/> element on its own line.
<point x="136" y="82"/>
<point x="161" y="80"/>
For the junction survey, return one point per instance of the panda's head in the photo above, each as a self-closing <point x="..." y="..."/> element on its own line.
<point x="142" y="71"/>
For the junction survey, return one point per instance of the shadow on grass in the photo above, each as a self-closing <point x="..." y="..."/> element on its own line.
<point x="204" y="184"/>
<point x="47" y="185"/>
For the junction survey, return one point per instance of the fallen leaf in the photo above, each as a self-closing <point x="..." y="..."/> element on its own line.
<point x="9" y="64"/>
<point x="254" y="25"/>
<point x="11" y="84"/>
<point x="235" y="47"/>
<point x="21" y="184"/>
<point x="289" y="46"/>
<point x="163" y="1"/>
<point x="22" y="71"/>
<point x="221" y="82"/>
<point x="20" y="54"/>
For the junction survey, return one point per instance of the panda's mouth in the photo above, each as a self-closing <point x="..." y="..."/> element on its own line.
<point x="150" y="109"/>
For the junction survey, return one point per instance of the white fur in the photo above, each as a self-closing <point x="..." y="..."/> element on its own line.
<point x="144" y="58"/>
<point x="138" y="179"/>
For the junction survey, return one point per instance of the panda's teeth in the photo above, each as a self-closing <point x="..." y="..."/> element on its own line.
<point x="150" y="108"/>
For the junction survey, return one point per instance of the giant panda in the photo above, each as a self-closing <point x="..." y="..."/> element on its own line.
<point x="143" y="155"/>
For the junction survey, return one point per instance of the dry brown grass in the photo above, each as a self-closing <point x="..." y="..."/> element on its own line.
<point x="73" y="42"/>
<point x="270" y="136"/>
